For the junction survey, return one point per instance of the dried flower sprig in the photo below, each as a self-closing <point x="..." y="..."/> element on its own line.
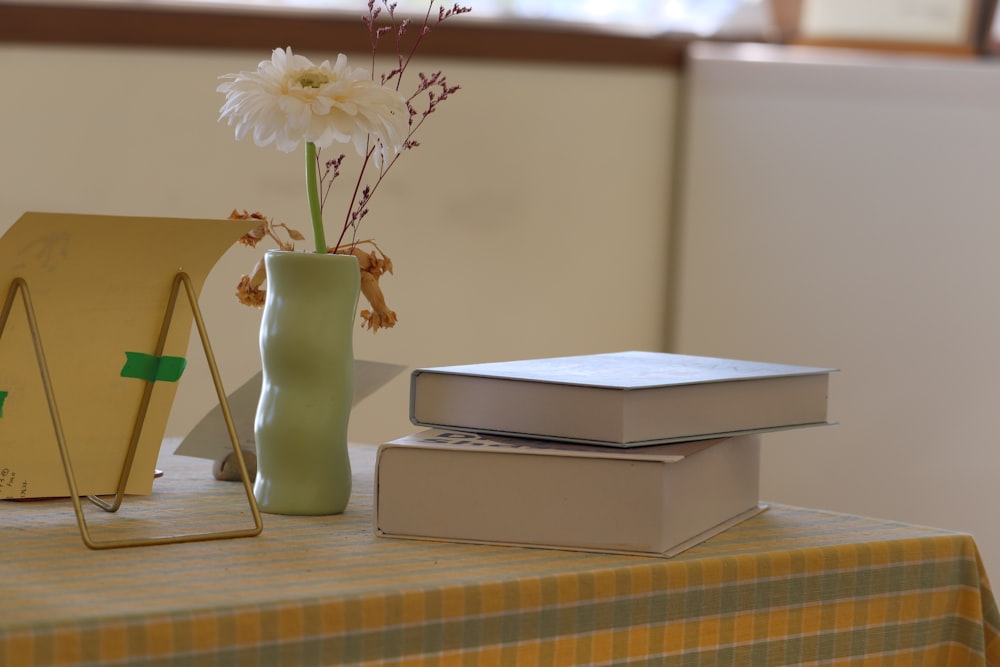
<point x="373" y="264"/>
<point x="290" y="100"/>
<point x="430" y="91"/>
<point x="268" y="228"/>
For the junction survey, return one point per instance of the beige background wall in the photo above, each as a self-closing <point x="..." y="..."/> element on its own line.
<point x="843" y="212"/>
<point x="532" y="221"/>
<point x="830" y="215"/>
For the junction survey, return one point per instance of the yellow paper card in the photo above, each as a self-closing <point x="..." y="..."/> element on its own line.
<point x="99" y="286"/>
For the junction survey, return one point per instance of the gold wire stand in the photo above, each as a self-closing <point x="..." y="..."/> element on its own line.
<point x="182" y="278"/>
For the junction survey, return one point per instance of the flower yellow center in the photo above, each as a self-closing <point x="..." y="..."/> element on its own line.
<point x="313" y="78"/>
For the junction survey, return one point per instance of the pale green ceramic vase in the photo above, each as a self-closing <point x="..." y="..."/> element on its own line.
<point x="307" y="358"/>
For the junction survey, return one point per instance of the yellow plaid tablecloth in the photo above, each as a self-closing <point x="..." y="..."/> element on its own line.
<point x="791" y="586"/>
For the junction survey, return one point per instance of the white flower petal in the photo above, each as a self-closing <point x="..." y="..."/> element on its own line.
<point x="289" y="100"/>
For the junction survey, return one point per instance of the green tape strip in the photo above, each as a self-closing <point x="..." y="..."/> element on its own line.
<point x="3" y="396"/>
<point x="153" y="369"/>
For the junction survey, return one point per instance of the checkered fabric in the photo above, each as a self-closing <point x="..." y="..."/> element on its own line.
<point x="791" y="586"/>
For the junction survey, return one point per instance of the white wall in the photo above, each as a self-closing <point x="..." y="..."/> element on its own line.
<point x="844" y="213"/>
<point x="530" y="223"/>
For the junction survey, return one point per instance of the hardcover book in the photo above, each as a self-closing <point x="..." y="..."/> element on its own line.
<point x="622" y="399"/>
<point x="654" y="501"/>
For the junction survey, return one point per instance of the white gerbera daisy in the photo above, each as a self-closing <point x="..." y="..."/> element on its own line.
<point x="289" y="99"/>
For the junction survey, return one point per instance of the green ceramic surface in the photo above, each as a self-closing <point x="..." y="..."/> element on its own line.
<point x="307" y="358"/>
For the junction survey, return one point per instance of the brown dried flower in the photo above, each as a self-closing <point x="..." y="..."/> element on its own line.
<point x="266" y="227"/>
<point x="249" y="291"/>
<point x="372" y="264"/>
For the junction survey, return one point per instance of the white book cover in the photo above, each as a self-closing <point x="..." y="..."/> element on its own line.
<point x="623" y="399"/>
<point x="656" y="501"/>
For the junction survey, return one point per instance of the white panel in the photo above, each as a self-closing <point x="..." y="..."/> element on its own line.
<point x="844" y="212"/>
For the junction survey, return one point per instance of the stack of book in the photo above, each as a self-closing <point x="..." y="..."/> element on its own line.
<point x="627" y="452"/>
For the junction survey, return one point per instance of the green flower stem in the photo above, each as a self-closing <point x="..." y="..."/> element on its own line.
<point x="312" y="190"/>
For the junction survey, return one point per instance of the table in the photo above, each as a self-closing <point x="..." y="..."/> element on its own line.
<point x="790" y="586"/>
